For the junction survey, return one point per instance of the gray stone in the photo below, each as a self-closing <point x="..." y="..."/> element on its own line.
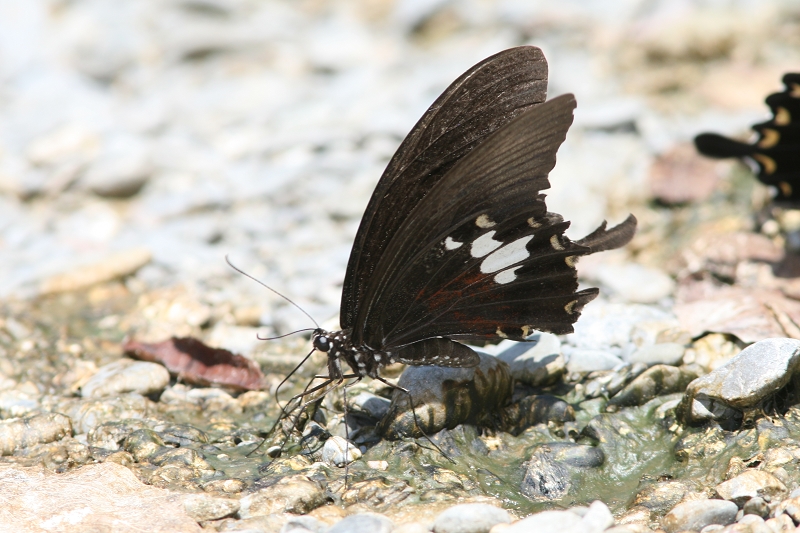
<point x="363" y="523"/>
<point x="636" y="283"/>
<point x="370" y="404"/>
<point x="605" y="325"/>
<point x="470" y="518"/>
<point x="338" y="451"/>
<point x="591" y="360"/>
<point x="539" y="363"/>
<point x="750" y="484"/>
<point x="656" y="380"/>
<point x="124" y="376"/>
<point x="667" y="353"/>
<point x="292" y="494"/>
<point x="303" y="524"/>
<point x="595" y="519"/>
<point x="697" y="514"/>
<point x="551" y="471"/>
<point x="756" y="373"/>
<point x="446" y="397"/>
<point x="19" y="433"/>
<point x="204" y="508"/>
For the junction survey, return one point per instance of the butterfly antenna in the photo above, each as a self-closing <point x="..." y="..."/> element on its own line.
<point x="242" y="272"/>
<point x="282" y="336"/>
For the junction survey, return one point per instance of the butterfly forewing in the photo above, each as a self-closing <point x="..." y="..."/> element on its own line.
<point x="490" y="201"/>
<point x="483" y="99"/>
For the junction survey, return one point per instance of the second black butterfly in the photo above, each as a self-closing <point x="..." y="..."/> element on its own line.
<point x="776" y="153"/>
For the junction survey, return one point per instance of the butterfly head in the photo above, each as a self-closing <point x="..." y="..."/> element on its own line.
<point x="321" y="340"/>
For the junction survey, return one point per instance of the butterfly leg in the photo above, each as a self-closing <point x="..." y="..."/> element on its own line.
<point x="414" y="414"/>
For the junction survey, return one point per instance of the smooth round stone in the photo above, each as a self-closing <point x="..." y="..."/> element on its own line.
<point x="292" y="494"/>
<point x="667" y="353"/>
<point x="550" y="470"/>
<point x="655" y="381"/>
<point x="697" y="514"/>
<point x="338" y="451"/>
<point x="370" y="404"/>
<point x="362" y="523"/>
<point x="757" y="372"/>
<point x="470" y="518"/>
<point x="124" y="376"/>
<point x="537" y="363"/>
<point x="750" y="484"/>
<point x="303" y="524"/>
<point x="18" y="433"/>
<point x="636" y="283"/>
<point x="594" y="519"/>
<point x="446" y="397"/>
<point x="591" y="360"/>
<point x="204" y="508"/>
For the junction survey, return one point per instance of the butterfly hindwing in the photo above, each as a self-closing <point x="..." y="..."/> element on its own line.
<point x="479" y="102"/>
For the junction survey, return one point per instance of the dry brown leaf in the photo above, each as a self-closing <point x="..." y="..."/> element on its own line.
<point x="199" y="364"/>
<point x="750" y="314"/>
<point x="682" y="175"/>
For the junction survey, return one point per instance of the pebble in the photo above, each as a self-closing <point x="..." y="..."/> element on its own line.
<point x="554" y="468"/>
<point x="595" y="519"/>
<point x="750" y="484"/>
<point x="113" y="266"/>
<point x="20" y="433"/>
<point x="446" y="397"/>
<point x="363" y="523"/>
<point x="470" y="518"/>
<point x="667" y="353"/>
<point x="591" y="360"/>
<point x="606" y="325"/>
<point x="333" y="452"/>
<point x="757" y="372"/>
<point x="655" y="381"/>
<point x="125" y="376"/>
<point x="303" y="524"/>
<point x="660" y="497"/>
<point x="697" y="514"/>
<point x="370" y="405"/>
<point x="538" y="363"/>
<point x="636" y="283"/>
<point x="204" y="508"/>
<point x="292" y="494"/>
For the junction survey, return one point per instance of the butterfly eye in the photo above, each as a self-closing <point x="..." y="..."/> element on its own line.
<point x="322" y="343"/>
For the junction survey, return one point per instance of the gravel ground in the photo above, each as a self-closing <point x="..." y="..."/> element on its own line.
<point x="142" y="142"/>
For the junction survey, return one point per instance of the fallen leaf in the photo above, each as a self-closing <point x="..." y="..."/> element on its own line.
<point x="682" y="175"/>
<point x="750" y="314"/>
<point x="196" y="363"/>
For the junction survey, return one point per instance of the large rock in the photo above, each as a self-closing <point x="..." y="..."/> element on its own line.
<point x="446" y="397"/>
<point x="755" y="374"/>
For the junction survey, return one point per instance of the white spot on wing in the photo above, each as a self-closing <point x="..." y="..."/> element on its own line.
<point x="506" y="276"/>
<point x="508" y="255"/>
<point x="450" y="244"/>
<point x="484" y="221"/>
<point x="484" y="244"/>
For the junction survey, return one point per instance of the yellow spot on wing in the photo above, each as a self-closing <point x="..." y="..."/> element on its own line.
<point x="767" y="163"/>
<point x="769" y="138"/>
<point x="783" y="117"/>
<point x="786" y="189"/>
<point x="570" y="260"/>
<point x="555" y="244"/>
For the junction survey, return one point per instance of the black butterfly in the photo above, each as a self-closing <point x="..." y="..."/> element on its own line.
<point x="456" y="242"/>
<point x="776" y="153"/>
